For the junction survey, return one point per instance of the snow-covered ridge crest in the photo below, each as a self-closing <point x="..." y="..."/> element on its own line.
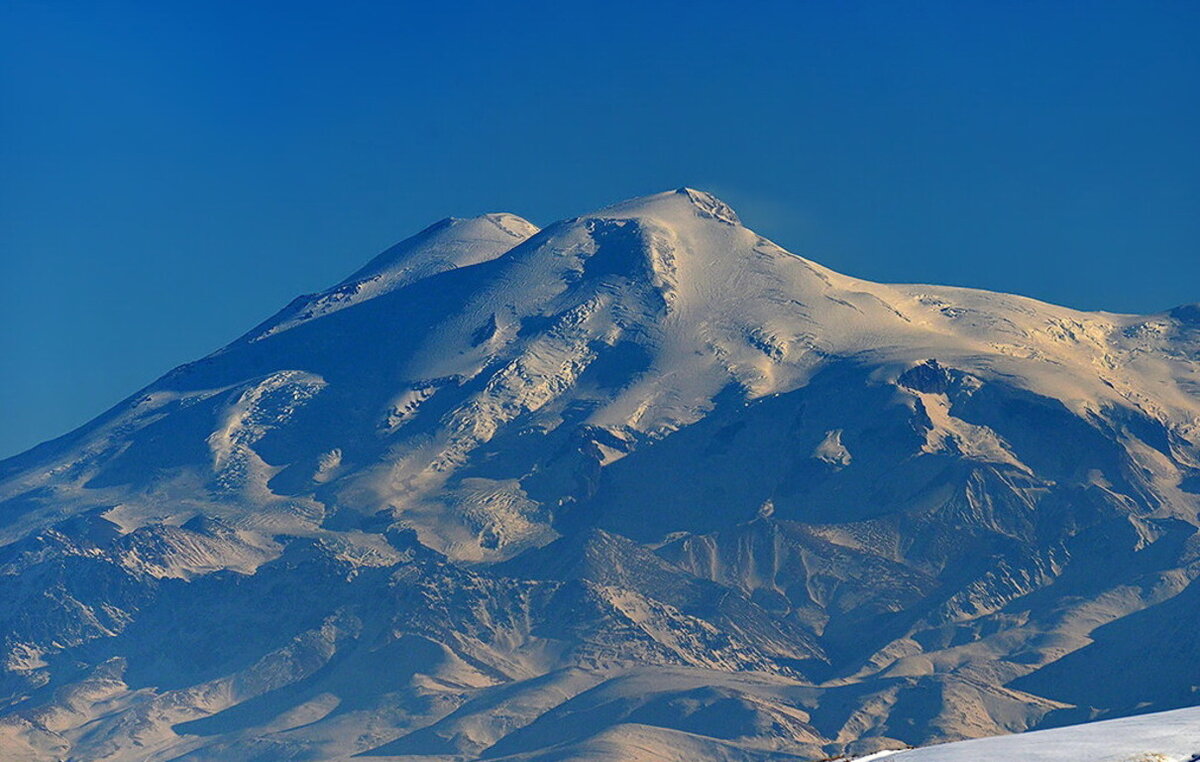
<point x="445" y="245"/>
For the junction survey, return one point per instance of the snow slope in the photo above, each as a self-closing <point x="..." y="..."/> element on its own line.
<point x="639" y="480"/>
<point x="1160" y="737"/>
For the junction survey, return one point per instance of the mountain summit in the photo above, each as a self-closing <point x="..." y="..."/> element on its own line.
<point x="639" y="480"/>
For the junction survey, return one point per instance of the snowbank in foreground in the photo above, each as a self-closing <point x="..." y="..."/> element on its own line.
<point x="1160" y="737"/>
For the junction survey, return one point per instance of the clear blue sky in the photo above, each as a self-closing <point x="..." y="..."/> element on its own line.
<point x="172" y="173"/>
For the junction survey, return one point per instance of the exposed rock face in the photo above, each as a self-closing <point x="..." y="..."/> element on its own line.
<point x="640" y="480"/>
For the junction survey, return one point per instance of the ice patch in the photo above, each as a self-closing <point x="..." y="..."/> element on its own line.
<point x="831" y="450"/>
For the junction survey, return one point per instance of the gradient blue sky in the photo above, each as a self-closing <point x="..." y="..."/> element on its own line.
<point x="172" y="173"/>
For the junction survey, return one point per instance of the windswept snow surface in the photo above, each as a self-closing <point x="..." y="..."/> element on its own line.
<point x="1160" y="737"/>
<point x="639" y="485"/>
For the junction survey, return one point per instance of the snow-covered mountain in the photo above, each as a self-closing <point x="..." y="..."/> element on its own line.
<point x="639" y="485"/>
